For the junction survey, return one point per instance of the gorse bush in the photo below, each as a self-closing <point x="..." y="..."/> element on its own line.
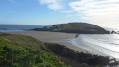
<point x="17" y="54"/>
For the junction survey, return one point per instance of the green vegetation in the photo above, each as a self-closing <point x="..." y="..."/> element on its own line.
<point x="25" y="51"/>
<point x="63" y="26"/>
<point x="81" y="28"/>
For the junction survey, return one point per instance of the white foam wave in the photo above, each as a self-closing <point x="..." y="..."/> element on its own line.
<point x="100" y="44"/>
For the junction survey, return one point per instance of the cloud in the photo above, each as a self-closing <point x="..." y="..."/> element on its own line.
<point x="66" y="11"/>
<point x="101" y="12"/>
<point x="52" y="4"/>
<point x="11" y="1"/>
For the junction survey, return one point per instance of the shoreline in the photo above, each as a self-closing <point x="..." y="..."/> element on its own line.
<point x="65" y="39"/>
<point x="71" y="46"/>
<point x="52" y="37"/>
<point x="90" y="49"/>
<point x="67" y="52"/>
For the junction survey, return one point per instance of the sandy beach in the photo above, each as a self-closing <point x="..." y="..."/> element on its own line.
<point x="53" y="37"/>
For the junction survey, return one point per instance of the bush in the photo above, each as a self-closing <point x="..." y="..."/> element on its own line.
<point x="20" y="54"/>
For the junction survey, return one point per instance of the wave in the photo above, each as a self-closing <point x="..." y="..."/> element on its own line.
<point x="101" y="44"/>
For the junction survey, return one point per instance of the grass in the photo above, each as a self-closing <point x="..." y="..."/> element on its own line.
<point x="25" y="51"/>
<point x="80" y="28"/>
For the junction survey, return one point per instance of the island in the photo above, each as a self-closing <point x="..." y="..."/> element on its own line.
<point x="80" y="28"/>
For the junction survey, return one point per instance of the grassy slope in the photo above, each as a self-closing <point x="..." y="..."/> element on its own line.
<point x="25" y="51"/>
<point x="80" y="28"/>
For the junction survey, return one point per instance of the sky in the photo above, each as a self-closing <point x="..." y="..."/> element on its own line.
<point x="47" y="12"/>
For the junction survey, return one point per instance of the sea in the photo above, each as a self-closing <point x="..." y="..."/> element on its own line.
<point x="8" y="28"/>
<point x="102" y="44"/>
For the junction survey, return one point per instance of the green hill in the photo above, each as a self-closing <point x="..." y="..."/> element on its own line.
<point x="81" y="28"/>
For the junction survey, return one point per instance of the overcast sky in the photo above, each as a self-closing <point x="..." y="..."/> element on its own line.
<point x="46" y="12"/>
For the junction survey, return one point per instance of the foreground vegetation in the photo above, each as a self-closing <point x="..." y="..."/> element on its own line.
<point x="81" y="28"/>
<point x="25" y="51"/>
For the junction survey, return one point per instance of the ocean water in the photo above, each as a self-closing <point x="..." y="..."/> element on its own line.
<point x="7" y="28"/>
<point x="103" y="44"/>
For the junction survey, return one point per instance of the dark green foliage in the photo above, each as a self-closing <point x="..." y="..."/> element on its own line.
<point x="25" y="52"/>
<point x="84" y="65"/>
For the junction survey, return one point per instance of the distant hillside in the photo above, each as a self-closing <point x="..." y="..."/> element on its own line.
<point x="81" y="28"/>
